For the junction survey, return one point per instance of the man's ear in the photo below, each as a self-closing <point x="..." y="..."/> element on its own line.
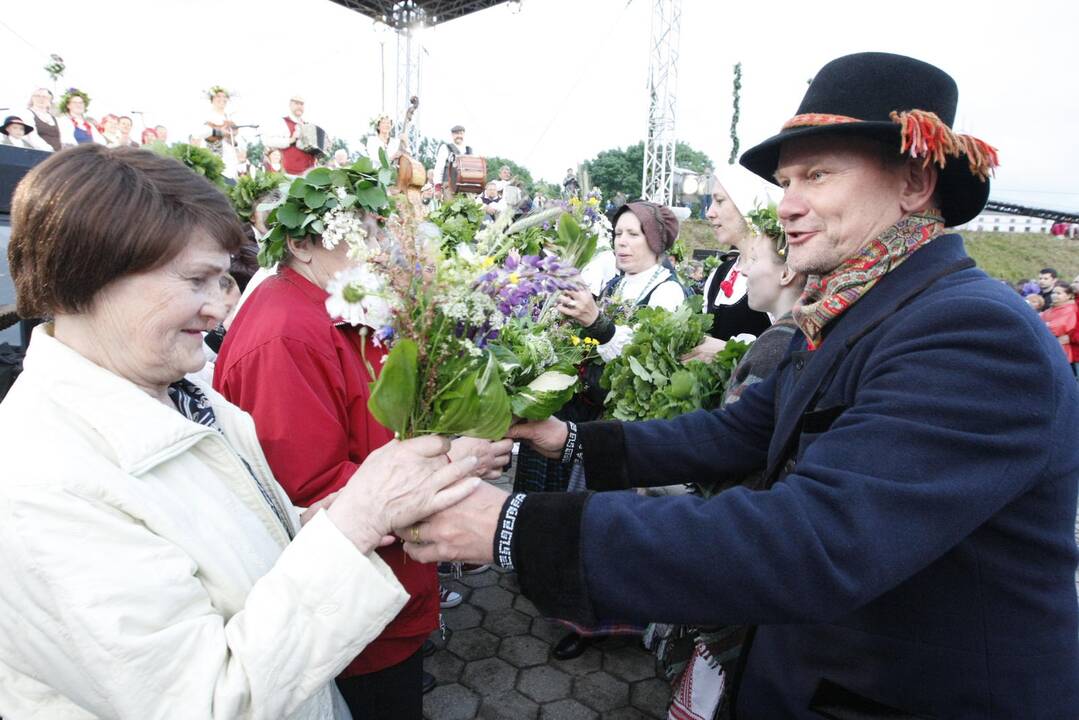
<point x="299" y="249"/>
<point x="919" y="186"/>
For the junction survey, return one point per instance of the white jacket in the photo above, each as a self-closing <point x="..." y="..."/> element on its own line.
<point x="142" y="573"/>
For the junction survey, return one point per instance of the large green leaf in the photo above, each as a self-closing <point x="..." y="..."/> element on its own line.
<point x="544" y="396"/>
<point x="289" y="215"/>
<point x="394" y="393"/>
<point x="315" y="198"/>
<point x="319" y="177"/>
<point x="494" y="416"/>
<point x="297" y="189"/>
<point x="372" y="197"/>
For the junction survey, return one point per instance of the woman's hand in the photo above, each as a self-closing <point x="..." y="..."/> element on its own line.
<point x="547" y="437"/>
<point x="706" y="350"/>
<point x="397" y="485"/>
<point x="579" y="306"/>
<point x="491" y="457"/>
<point x="313" y="509"/>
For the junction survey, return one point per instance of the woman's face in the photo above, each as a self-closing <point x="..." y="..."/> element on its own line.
<point x="219" y="101"/>
<point x="764" y="276"/>
<point x="110" y="125"/>
<point x="631" y="252"/>
<point x="150" y="324"/>
<point x="76" y="105"/>
<point x="726" y="220"/>
<point x="41" y="100"/>
<point x="1060" y="296"/>
<point x="384" y="126"/>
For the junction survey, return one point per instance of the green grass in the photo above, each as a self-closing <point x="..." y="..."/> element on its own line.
<point x="1009" y="256"/>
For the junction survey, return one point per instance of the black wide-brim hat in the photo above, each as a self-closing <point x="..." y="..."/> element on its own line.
<point x="897" y="100"/>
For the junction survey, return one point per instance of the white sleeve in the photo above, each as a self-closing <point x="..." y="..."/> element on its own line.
<point x="623" y="335"/>
<point x="667" y="295"/>
<point x="37" y="142"/>
<point x="439" y="169"/>
<point x="134" y="634"/>
<point x="279" y="140"/>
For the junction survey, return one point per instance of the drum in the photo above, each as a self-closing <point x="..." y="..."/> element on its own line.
<point x="313" y="140"/>
<point x="468" y="174"/>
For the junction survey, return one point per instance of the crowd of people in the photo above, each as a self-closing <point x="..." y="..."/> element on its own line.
<point x="860" y="528"/>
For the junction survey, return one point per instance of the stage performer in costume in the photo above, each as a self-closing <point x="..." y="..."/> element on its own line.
<point x="294" y="160"/>
<point x="221" y="136"/>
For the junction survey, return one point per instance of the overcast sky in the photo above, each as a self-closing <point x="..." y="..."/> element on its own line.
<point x="549" y="83"/>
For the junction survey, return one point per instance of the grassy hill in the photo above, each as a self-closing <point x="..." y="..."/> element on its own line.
<point x="1009" y="256"/>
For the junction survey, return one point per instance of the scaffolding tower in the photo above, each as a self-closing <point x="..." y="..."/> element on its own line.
<point x="657" y="182"/>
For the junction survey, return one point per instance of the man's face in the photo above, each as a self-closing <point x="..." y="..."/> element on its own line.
<point x="296" y="107"/>
<point x="1046" y="280"/>
<point x="837" y="196"/>
<point x="504" y="174"/>
<point x="125" y="125"/>
<point x="459" y="138"/>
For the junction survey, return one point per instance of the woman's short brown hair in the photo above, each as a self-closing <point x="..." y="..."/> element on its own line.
<point x="90" y="215"/>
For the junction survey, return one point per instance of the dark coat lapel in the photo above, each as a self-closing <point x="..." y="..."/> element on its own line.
<point x="805" y="375"/>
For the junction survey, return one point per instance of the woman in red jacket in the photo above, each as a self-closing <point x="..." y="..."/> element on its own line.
<point x="304" y="378"/>
<point x="1061" y="318"/>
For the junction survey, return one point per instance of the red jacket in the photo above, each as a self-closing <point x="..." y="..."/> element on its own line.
<point x="1061" y="320"/>
<point x="295" y="161"/>
<point x="303" y="380"/>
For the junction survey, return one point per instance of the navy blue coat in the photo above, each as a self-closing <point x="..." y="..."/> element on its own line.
<point x="916" y="555"/>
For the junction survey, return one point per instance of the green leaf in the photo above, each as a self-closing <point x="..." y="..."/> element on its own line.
<point x="339" y="178"/>
<point x="297" y="189"/>
<point x="373" y="197"/>
<point x="363" y="166"/>
<point x="289" y="215"/>
<point x="682" y="383"/>
<point x="382" y="159"/>
<point x="638" y="369"/>
<point x="319" y="177"/>
<point x="385" y="175"/>
<point x="394" y="393"/>
<point x="494" y="408"/>
<point x="544" y="396"/>
<point x="315" y="198"/>
<point x="318" y="227"/>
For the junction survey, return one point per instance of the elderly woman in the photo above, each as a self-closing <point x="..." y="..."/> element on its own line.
<point x="305" y="377"/>
<point x="152" y="566"/>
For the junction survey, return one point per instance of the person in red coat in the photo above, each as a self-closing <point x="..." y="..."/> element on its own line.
<point x="305" y="379"/>
<point x="1061" y="318"/>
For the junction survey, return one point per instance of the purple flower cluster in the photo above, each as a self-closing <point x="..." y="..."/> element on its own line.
<point x="521" y="280"/>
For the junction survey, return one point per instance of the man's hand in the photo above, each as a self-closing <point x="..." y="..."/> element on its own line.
<point x="706" y="350"/>
<point x="491" y="457"/>
<point x="547" y="437"/>
<point x="464" y="532"/>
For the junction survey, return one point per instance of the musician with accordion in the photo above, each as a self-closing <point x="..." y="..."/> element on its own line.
<point x="301" y="143"/>
<point x="457" y="169"/>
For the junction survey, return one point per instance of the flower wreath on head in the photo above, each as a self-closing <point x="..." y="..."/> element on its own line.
<point x="248" y="189"/>
<point x="328" y="204"/>
<point x="70" y="93"/>
<point x="215" y="90"/>
<point x="377" y="119"/>
<point x="764" y="220"/>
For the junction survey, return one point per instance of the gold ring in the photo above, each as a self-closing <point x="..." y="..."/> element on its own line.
<point x="416" y="534"/>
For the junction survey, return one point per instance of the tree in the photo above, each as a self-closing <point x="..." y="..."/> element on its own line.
<point x="620" y="170"/>
<point x="339" y="144"/>
<point x="256" y="153"/>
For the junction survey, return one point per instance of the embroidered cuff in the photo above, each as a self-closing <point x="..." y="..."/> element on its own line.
<point x="601" y="329"/>
<point x="571" y="451"/>
<point x="507" y="524"/>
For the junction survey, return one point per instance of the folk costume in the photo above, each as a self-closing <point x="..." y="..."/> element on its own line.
<point x="909" y="549"/>
<point x="294" y="160"/>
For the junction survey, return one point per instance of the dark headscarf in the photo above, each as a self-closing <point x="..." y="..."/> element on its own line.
<point x="658" y="223"/>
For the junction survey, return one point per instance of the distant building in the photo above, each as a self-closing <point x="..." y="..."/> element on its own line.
<point x="990" y="221"/>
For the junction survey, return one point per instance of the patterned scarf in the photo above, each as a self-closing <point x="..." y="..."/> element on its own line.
<point x="827" y="297"/>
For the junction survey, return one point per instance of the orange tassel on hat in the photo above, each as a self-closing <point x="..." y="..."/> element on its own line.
<point x="925" y="135"/>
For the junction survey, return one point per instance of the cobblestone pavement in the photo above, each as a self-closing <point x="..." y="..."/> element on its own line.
<point x="495" y="663"/>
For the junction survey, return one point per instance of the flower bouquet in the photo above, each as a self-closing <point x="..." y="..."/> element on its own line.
<point x="470" y="339"/>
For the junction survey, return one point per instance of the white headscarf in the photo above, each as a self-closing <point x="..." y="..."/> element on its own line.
<point x="745" y="189"/>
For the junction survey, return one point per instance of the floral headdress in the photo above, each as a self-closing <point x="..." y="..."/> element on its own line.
<point x="764" y="220"/>
<point x="248" y="189"/>
<point x="70" y="93"/>
<point x="377" y="119"/>
<point x="329" y="204"/>
<point x="199" y="160"/>
<point x="215" y="90"/>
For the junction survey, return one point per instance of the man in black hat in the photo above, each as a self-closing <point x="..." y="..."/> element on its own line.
<point x="447" y="153"/>
<point x="905" y="547"/>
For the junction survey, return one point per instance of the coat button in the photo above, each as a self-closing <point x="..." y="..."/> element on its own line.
<point x="799" y="363"/>
<point x="788" y="467"/>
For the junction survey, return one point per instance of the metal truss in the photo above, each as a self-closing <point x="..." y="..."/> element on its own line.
<point x="657" y="182"/>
